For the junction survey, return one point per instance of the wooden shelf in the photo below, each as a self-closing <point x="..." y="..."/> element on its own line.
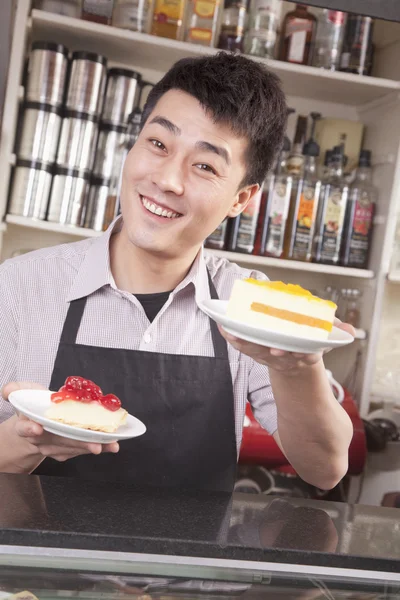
<point x="158" y="54"/>
<point x="55" y="227"/>
<point x="257" y="261"/>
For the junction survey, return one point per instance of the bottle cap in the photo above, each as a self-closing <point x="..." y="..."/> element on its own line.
<point x="328" y="158"/>
<point x="311" y="148"/>
<point x="286" y="144"/>
<point x="365" y="158"/>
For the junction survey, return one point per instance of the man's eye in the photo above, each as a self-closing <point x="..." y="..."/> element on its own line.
<point x="204" y="167"/>
<point x="158" y="144"/>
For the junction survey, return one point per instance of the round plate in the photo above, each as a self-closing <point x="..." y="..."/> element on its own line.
<point x="34" y="403"/>
<point x="216" y="309"/>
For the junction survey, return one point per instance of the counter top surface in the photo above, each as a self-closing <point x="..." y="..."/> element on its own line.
<point x="70" y="513"/>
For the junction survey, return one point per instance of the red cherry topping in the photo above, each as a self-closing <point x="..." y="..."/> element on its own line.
<point x="111" y="402"/>
<point x="83" y="390"/>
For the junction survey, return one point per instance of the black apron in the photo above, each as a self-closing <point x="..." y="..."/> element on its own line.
<point x="186" y="403"/>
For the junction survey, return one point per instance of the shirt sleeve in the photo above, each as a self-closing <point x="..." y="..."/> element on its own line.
<point x="8" y="338"/>
<point x="261" y="398"/>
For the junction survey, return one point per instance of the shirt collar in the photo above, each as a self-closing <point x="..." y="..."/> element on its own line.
<point x="95" y="270"/>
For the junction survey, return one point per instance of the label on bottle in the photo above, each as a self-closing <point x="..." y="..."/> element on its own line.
<point x="248" y="224"/>
<point x="304" y="224"/>
<point x="100" y="8"/>
<point x="333" y="225"/>
<point x="168" y="11"/>
<point x="297" y="30"/>
<point x="273" y="7"/>
<point x="197" y="34"/>
<point x="278" y="213"/>
<point x="205" y="9"/>
<point x="336" y="17"/>
<point x="360" y="229"/>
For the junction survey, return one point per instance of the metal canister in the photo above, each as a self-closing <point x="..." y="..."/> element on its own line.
<point x="68" y="196"/>
<point x="110" y="147"/>
<point x="87" y="82"/>
<point x="77" y="141"/>
<point x="101" y="205"/>
<point x="40" y="132"/>
<point x="47" y="73"/>
<point x="30" y="189"/>
<point x="122" y="93"/>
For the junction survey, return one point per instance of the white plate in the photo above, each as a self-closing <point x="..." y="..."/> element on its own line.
<point x="216" y="309"/>
<point x="34" y="403"/>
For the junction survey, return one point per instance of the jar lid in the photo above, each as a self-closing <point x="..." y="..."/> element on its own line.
<point x="79" y="115"/>
<point x="111" y="127"/>
<point x="71" y="172"/>
<point x="83" y="55"/>
<point x="34" y="164"/>
<point x="43" y="107"/>
<point x="98" y="181"/>
<point x="117" y="72"/>
<point x="52" y="46"/>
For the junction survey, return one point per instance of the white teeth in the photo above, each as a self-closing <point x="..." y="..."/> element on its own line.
<point x="157" y="210"/>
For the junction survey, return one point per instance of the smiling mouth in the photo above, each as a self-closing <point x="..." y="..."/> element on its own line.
<point x="157" y="210"/>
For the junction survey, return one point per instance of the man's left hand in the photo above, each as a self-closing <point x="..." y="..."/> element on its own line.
<point x="280" y="360"/>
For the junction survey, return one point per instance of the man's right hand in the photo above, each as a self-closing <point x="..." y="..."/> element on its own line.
<point x="41" y="443"/>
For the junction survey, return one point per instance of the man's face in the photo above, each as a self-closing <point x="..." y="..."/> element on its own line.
<point x="181" y="178"/>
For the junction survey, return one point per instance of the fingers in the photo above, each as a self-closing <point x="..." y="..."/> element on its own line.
<point x="13" y="386"/>
<point x="26" y="428"/>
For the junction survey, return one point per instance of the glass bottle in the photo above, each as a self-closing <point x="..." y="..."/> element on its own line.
<point x="298" y="34"/>
<point x="352" y="314"/>
<point x="359" y="216"/>
<point x="329" y="40"/>
<point x="99" y="11"/>
<point x="304" y="204"/>
<point x="242" y="235"/>
<point x="357" y="49"/>
<point x="295" y="161"/>
<point x="132" y="14"/>
<point x="262" y="35"/>
<point x="333" y="203"/>
<point x="217" y="239"/>
<point x="278" y="207"/>
<point x="232" y="27"/>
<point x="168" y="19"/>
<point x="202" y="21"/>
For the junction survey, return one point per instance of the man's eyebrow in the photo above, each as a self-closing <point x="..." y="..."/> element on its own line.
<point x="167" y="124"/>
<point x="207" y="147"/>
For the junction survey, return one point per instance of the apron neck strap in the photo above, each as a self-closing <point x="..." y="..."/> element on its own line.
<point x="77" y="307"/>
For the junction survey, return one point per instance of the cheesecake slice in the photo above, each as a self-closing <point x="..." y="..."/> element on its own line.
<point x="87" y="415"/>
<point x="280" y="307"/>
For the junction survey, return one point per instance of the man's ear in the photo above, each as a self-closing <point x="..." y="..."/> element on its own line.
<point x="242" y="199"/>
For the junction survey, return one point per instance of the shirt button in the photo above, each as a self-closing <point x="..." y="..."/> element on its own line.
<point x="147" y="338"/>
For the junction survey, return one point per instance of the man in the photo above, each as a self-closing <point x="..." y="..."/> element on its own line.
<point x="122" y="309"/>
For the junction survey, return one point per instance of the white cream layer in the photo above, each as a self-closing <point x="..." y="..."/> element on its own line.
<point x="91" y="415"/>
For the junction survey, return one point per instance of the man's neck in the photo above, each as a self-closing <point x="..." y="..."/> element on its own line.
<point x="138" y="271"/>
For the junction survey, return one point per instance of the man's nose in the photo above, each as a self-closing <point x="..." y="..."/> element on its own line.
<point x="169" y="175"/>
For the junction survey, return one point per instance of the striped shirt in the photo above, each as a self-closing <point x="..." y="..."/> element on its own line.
<point x="35" y="291"/>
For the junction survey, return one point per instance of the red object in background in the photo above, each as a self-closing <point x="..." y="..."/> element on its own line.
<point x="259" y="448"/>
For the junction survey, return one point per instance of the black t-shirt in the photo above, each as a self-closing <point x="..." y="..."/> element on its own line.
<point x="152" y="303"/>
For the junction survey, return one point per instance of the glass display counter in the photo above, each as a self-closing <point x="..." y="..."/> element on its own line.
<point x="63" y="538"/>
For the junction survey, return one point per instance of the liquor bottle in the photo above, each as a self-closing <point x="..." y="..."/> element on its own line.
<point x="304" y="204"/>
<point x="298" y="35"/>
<point x="168" y="19"/>
<point x="333" y="203"/>
<point x="359" y="216"/>
<point x="261" y="37"/>
<point x="232" y="28"/>
<point x="243" y="229"/>
<point x="278" y="206"/>
<point x="329" y="40"/>
<point x="217" y="239"/>
<point x="295" y="161"/>
<point x="357" y="49"/>
<point x="133" y="14"/>
<point x="202" y="21"/>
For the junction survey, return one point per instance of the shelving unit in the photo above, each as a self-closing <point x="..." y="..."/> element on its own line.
<point x="373" y="100"/>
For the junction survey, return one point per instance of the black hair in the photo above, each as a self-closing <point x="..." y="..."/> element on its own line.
<point x="238" y="92"/>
